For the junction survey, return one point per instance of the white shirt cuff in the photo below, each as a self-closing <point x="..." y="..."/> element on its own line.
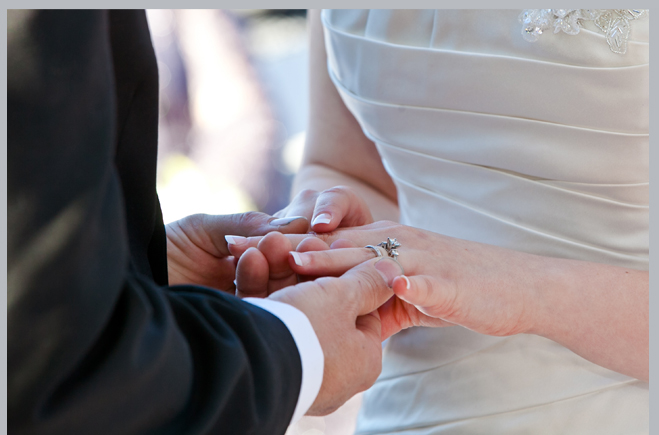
<point x="311" y="354"/>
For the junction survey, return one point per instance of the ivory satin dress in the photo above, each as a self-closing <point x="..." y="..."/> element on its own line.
<point x="538" y="147"/>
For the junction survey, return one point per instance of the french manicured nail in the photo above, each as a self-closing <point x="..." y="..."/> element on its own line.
<point x="235" y="240"/>
<point x="388" y="269"/>
<point x="300" y="259"/>
<point x="285" y="221"/>
<point x="323" y="218"/>
<point x="407" y="281"/>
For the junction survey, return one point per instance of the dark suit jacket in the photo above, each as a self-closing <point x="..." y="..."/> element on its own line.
<point x="97" y="341"/>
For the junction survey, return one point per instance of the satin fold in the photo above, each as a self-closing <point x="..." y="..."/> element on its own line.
<point x="541" y="148"/>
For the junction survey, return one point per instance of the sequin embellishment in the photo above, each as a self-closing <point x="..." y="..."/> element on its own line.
<point x="614" y="23"/>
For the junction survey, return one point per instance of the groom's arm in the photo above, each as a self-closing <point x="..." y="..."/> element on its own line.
<point x="94" y="346"/>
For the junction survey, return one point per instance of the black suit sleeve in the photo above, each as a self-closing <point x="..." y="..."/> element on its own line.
<point x="95" y="345"/>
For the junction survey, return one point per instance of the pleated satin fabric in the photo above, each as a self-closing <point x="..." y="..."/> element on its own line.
<point x="538" y="147"/>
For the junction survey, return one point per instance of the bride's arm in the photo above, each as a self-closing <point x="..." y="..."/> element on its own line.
<point x="598" y="311"/>
<point x="337" y="152"/>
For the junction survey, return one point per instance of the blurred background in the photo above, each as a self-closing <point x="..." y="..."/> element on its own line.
<point x="233" y="111"/>
<point x="233" y="107"/>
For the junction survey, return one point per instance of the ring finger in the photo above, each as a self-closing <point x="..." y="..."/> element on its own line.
<point x="335" y="262"/>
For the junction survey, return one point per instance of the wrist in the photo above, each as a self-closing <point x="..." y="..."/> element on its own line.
<point x="549" y="296"/>
<point x="312" y="357"/>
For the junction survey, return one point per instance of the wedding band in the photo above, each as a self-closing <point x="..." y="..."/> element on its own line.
<point x="391" y="246"/>
<point x="378" y="252"/>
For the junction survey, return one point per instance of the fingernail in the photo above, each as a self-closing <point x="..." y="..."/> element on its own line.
<point x="300" y="259"/>
<point x="407" y="281"/>
<point x="235" y="240"/>
<point x="323" y="218"/>
<point x="388" y="269"/>
<point x="285" y="221"/>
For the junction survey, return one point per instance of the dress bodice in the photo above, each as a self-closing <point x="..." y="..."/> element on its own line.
<point x="539" y="147"/>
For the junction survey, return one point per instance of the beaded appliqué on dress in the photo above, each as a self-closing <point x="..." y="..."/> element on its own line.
<point x="614" y="23"/>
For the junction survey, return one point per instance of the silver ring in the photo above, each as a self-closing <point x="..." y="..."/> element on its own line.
<point x="391" y="246"/>
<point x="378" y="252"/>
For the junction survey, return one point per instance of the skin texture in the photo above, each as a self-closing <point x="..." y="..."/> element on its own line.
<point x="341" y="205"/>
<point x="197" y="250"/>
<point x="271" y="266"/>
<point x="264" y="269"/>
<point x="342" y="310"/>
<point x="343" y="313"/>
<point x="598" y="311"/>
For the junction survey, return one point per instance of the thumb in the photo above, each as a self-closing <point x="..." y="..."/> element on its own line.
<point x="254" y="223"/>
<point x="248" y="224"/>
<point x="371" y="281"/>
<point x="428" y="294"/>
<point x="339" y="206"/>
<point x="286" y="225"/>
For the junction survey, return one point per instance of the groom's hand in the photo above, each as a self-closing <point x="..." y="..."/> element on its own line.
<point x="343" y="313"/>
<point x="197" y="250"/>
<point x="264" y="269"/>
<point x="330" y="209"/>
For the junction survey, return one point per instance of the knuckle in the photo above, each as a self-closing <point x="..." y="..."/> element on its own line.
<point x="365" y="289"/>
<point x="273" y="238"/>
<point x="449" y="305"/>
<point x="373" y="282"/>
<point x="416" y="232"/>
<point x="339" y="190"/>
<point x="325" y="283"/>
<point x="419" y="236"/>
<point x="324" y="237"/>
<point x="307" y="194"/>
<point x="195" y="220"/>
<point x="250" y="218"/>
<point x="426" y="286"/>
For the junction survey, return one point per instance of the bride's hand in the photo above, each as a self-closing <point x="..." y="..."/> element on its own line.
<point x="481" y="287"/>
<point x="266" y="268"/>
<point x="484" y="288"/>
<point x="330" y="209"/>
